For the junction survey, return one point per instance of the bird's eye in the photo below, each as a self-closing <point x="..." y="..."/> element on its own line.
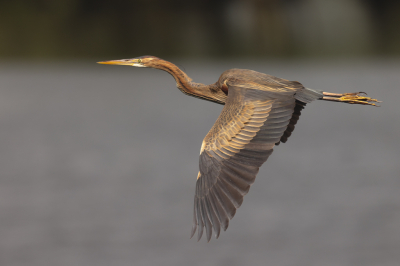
<point x="139" y="60"/>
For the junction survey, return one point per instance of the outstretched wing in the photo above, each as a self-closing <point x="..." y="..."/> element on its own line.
<point x="240" y="141"/>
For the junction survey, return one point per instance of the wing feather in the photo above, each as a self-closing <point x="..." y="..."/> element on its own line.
<point x="240" y="141"/>
<point x="220" y="211"/>
<point x="213" y="217"/>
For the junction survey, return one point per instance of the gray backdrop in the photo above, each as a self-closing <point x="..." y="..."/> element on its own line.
<point x="98" y="167"/>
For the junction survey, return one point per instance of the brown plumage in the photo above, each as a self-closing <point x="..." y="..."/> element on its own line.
<point x="260" y="112"/>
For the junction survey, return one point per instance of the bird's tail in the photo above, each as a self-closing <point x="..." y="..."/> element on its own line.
<point x="307" y="95"/>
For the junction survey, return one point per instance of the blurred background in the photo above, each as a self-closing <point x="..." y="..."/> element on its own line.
<point x="98" y="163"/>
<point x="214" y="28"/>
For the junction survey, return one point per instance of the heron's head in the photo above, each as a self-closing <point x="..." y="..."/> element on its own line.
<point x="142" y="61"/>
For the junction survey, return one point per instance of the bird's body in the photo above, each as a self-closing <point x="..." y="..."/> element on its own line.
<point x="260" y="112"/>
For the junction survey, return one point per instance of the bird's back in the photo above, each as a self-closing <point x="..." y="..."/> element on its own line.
<point x="277" y="87"/>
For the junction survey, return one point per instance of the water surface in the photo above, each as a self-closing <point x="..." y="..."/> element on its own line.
<point x="98" y="167"/>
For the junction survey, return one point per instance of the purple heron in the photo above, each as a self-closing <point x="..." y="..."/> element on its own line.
<point x="260" y="112"/>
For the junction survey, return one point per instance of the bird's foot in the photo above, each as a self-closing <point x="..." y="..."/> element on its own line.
<point x="351" y="98"/>
<point x="358" y="98"/>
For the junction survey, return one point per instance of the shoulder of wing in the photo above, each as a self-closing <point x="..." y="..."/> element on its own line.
<point x="250" y="79"/>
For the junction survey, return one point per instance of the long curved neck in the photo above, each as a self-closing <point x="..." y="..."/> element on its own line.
<point x="185" y="84"/>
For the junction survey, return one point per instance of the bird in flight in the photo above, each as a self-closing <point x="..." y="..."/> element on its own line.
<point x="260" y="111"/>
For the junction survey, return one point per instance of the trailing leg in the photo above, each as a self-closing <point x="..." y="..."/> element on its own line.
<point x="352" y="98"/>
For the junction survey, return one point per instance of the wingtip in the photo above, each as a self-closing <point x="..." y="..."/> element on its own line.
<point x="209" y="235"/>
<point x="194" y="227"/>
<point x="199" y="233"/>
<point x="225" y="225"/>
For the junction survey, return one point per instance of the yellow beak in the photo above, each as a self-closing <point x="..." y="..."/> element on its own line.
<point x="124" y="62"/>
